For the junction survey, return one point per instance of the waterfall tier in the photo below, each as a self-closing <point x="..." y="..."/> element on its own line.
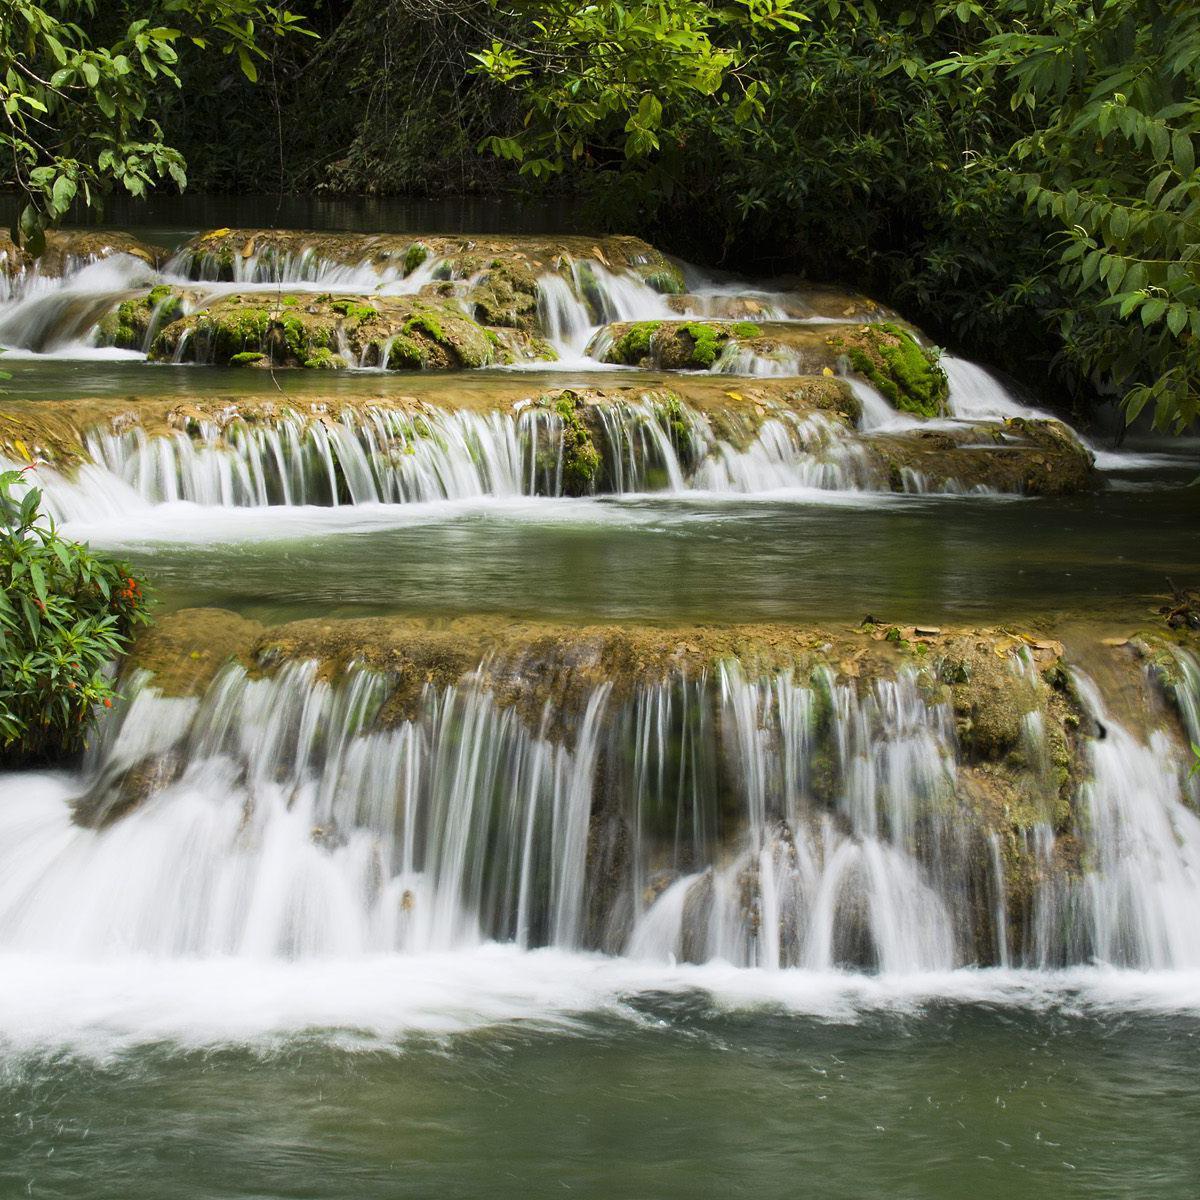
<point x="772" y="798"/>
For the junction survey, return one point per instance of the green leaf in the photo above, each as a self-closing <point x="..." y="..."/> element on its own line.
<point x="1183" y="153"/>
<point x="1177" y="318"/>
<point x="248" y="68"/>
<point x="1153" y="310"/>
<point x="63" y="193"/>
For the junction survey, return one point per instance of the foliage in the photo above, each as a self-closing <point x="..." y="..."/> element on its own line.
<point x="77" y="106"/>
<point x="1021" y="172"/>
<point x="903" y="370"/>
<point x="1112" y="89"/>
<point x="65" y="613"/>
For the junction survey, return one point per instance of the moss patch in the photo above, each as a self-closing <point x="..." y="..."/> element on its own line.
<point x="580" y="459"/>
<point x="905" y="372"/>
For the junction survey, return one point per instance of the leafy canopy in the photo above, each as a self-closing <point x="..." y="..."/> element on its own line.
<point x="77" y="104"/>
<point x="1023" y="171"/>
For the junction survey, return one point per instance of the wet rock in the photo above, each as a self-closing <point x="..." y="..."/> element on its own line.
<point x="1020" y="456"/>
<point x="184" y="651"/>
<point x="133" y="324"/>
<point x="891" y="359"/>
<point x="67" y="249"/>
<point x="506" y="295"/>
<point x="212" y="255"/>
<point x="110" y="799"/>
<point x="402" y="333"/>
<point x="799" y="303"/>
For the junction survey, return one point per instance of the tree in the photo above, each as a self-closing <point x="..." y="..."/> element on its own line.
<point x="1112" y="92"/>
<point x="1021" y="173"/>
<point x="77" y="108"/>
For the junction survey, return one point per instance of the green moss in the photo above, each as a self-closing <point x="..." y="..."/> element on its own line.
<point x="428" y="324"/>
<point x="405" y="352"/>
<point x="905" y="372"/>
<point x="580" y="459"/>
<point x="706" y="342"/>
<point x="415" y="256"/>
<point x="246" y="358"/>
<point x="324" y="359"/>
<point x="746" y="329"/>
<point x="354" y="310"/>
<point x="134" y="322"/>
<point x="297" y="338"/>
<point x="669" y="282"/>
<point x="232" y="332"/>
<point x="633" y="346"/>
<point x="290" y="301"/>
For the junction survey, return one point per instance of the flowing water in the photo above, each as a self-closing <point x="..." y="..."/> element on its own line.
<point x="558" y="924"/>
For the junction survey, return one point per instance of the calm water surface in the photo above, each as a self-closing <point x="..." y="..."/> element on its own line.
<point x="677" y="1101"/>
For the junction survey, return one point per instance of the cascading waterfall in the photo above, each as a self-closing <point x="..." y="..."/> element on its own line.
<point x="976" y="394"/>
<point x="1134" y="904"/>
<point x="43" y="314"/>
<point x="779" y="820"/>
<point x="385" y="456"/>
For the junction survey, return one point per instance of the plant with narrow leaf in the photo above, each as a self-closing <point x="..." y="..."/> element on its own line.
<point x="65" y="614"/>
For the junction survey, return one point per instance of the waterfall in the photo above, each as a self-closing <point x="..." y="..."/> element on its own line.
<point x="48" y="313"/>
<point x="975" y="394"/>
<point x="294" y="828"/>
<point x="778" y="820"/>
<point x="380" y="456"/>
<point x="1135" y="904"/>
<point x="389" y="456"/>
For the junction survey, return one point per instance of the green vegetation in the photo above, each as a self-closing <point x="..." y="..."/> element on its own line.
<point x="706" y="342"/>
<point x="905" y="372"/>
<point x="247" y="358"/>
<point x="354" y="310"/>
<point x="1019" y="177"/>
<point x="414" y="256"/>
<point x="324" y="359"/>
<point x="1022" y="173"/>
<point x="65" y="613"/>
<point x="634" y="345"/>
<point x="77" y="81"/>
<point x="134" y="323"/>
<point x="580" y="459"/>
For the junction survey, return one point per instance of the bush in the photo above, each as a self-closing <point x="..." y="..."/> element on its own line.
<point x="65" y="613"/>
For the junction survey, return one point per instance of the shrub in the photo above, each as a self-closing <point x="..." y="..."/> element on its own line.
<point x="65" y="614"/>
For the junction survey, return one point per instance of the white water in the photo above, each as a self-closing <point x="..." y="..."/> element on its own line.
<point x="302" y="864"/>
<point x="385" y="456"/>
<point x="285" y="821"/>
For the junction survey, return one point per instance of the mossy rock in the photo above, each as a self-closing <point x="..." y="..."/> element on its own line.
<point x="581" y="460"/>
<point x="324" y="359"/>
<point x="905" y="373"/>
<point x="133" y="324"/>
<point x="675" y="345"/>
<point x="507" y="295"/>
<point x="1018" y="457"/>
<point x="213" y="254"/>
<point x="406" y="332"/>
